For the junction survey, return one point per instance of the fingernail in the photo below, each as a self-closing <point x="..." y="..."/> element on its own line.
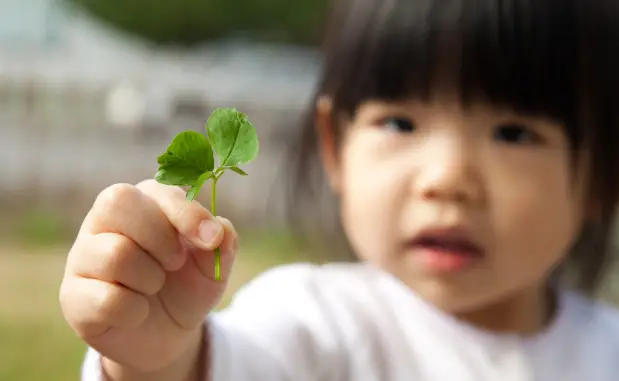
<point x="209" y="230"/>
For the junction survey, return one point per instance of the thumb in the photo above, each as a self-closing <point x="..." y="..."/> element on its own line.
<point x="206" y="261"/>
<point x="192" y="292"/>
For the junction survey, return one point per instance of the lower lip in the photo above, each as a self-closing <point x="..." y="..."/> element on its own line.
<point x="437" y="259"/>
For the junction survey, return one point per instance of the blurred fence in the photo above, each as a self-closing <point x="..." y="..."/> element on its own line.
<point x="61" y="146"/>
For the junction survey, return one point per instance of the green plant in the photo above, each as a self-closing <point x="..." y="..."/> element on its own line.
<point x="194" y="22"/>
<point x="189" y="160"/>
<point x="40" y="226"/>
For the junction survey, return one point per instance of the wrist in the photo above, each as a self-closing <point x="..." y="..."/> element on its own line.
<point x="188" y="367"/>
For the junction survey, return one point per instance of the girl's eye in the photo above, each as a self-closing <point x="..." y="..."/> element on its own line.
<point x="398" y="124"/>
<point x="515" y="133"/>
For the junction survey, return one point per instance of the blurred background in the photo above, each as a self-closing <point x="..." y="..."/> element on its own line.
<point x="91" y="92"/>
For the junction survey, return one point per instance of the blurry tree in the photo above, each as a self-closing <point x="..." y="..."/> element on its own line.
<point x="191" y="22"/>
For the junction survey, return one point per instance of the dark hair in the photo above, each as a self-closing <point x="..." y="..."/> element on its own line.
<point x="553" y="58"/>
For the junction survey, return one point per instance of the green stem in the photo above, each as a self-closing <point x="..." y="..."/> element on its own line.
<point x="214" y="212"/>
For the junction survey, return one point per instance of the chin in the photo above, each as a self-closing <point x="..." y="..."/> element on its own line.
<point x="450" y="297"/>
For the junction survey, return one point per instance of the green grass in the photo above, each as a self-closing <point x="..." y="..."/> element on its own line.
<point x="35" y="342"/>
<point x="43" y="350"/>
<point x="40" y="227"/>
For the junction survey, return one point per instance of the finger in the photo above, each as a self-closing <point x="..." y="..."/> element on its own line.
<point x="192" y="292"/>
<point x="125" y="210"/>
<point x="92" y="307"/>
<point x="115" y="258"/>
<point x="205" y="260"/>
<point x="194" y="222"/>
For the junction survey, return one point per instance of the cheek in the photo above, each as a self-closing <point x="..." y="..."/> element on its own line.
<point x="372" y="187"/>
<point x="536" y="213"/>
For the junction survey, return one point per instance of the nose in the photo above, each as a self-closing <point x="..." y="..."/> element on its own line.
<point x="449" y="173"/>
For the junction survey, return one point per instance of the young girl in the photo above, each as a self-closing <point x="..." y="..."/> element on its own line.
<point x="472" y="146"/>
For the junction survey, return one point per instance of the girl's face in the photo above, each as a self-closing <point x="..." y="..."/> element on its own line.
<point x="472" y="209"/>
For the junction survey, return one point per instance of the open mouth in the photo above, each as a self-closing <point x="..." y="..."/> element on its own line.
<point x="448" y="249"/>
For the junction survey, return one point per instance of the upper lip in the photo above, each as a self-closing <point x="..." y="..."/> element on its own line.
<point x="450" y="235"/>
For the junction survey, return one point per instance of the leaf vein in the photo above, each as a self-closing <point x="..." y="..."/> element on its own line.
<point x="236" y="137"/>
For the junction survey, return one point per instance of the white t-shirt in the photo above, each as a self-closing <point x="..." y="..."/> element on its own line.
<point x="353" y="322"/>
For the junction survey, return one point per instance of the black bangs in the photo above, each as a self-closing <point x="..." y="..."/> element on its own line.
<point x="520" y="54"/>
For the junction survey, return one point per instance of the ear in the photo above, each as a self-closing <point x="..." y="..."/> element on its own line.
<point x="325" y="126"/>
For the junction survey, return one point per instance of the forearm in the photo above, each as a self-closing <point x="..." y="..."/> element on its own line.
<point x="189" y="367"/>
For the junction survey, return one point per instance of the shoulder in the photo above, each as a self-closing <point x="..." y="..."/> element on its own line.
<point x="608" y="317"/>
<point x="288" y="317"/>
<point x="302" y="280"/>
<point x="341" y="305"/>
<point x="329" y="303"/>
<point x="600" y="311"/>
<point x="597" y="318"/>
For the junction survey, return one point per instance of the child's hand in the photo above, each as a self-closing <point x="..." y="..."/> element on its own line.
<point x="139" y="277"/>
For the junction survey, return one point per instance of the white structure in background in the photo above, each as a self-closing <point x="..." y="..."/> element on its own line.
<point x="65" y="80"/>
<point x="125" y="106"/>
<point x="56" y="48"/>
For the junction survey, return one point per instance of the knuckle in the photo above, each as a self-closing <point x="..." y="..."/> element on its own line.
<point x="117" y="251"/>
<point x="77" y="310"/>
<point x="107" y="302"/>
<point x="147" y="183"/>
<point x="152" y="188"/>
<point x="116" y="244"/>
<point x="118" y="307"/>
<point x="65" y="297"/>
<point x="117" y="197"/>
<point x="188" y="215"/>
<point x="127" y="263"/>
